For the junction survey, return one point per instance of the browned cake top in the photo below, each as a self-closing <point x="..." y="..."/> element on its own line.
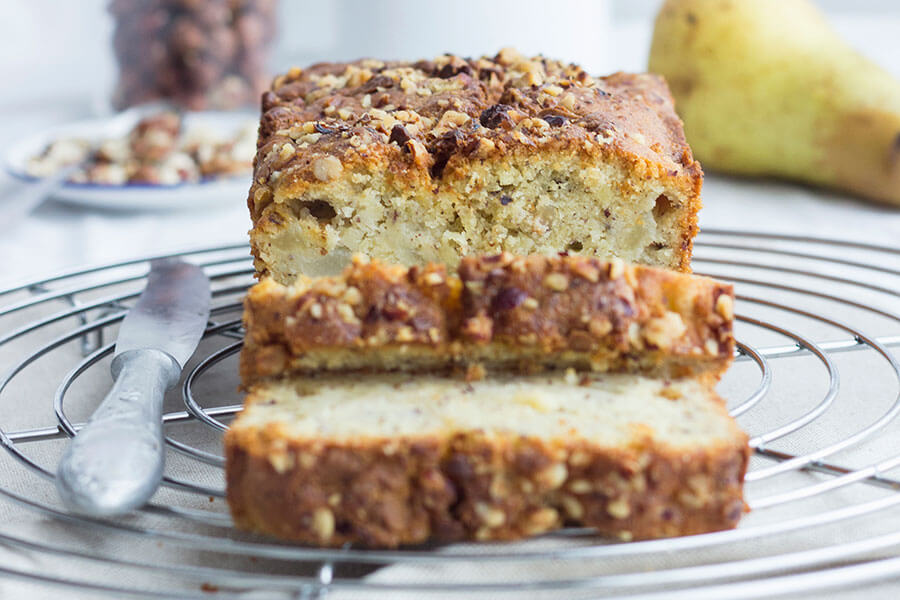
<point x="419" y="116"/>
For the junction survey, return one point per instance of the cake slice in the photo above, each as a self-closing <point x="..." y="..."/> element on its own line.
<point x="392" y="459"/>
<point x="413" y="162"/>
<point x="500" y="311"/>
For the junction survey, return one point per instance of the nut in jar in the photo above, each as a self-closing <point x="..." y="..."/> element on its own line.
<point x="197" y="54"/>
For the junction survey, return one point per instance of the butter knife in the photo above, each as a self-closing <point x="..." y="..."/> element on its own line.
<point x="115" y="462"/>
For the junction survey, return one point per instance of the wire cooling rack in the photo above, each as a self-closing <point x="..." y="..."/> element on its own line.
<point x="816" y="383"/>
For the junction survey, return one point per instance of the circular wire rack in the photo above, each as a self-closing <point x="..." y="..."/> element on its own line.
<point x="815" y="383"/>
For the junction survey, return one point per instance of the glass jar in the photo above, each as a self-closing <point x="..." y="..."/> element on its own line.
<point x="196" y="54"/>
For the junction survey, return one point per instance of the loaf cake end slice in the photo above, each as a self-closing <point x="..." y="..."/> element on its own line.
<point x="432" y="160"/>
<point x="391" y="459"/>
<point x="501" y="312"/>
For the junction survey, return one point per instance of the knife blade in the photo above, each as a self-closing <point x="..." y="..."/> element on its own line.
<point x="115" y="462"/>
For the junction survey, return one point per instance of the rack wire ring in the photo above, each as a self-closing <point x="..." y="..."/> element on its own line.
<point x="703" y="579"/>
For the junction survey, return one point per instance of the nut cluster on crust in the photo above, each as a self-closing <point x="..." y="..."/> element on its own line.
<point x="605" y="314"/>
<point x="422" y="115"/>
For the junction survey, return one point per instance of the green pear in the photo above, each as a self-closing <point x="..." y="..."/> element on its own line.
<point x="767" y="87"/>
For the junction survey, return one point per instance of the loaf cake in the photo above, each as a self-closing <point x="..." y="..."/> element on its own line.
<point x="389" y="459"/>
<point x="423" y="161"/>
<point x="500" y="311"/>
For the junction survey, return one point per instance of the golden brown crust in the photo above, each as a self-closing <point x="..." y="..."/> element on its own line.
<point x="476" y="486"/>
<point x="503" y="311"/>
<point x="426" y="123"/>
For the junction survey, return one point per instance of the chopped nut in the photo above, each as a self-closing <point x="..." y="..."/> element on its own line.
<point x="334" y="499"/>
<point x="352" y="296"/>
<point x="528" y="339"/>
<point x="553" y="476"/>
<point x="631" y="277"/>
<point x="571" y="506"/>
<point x="580" y="486"/>
<point x="638" y="483"/>
<point x="599" y="326"/>
<point x="725" y="307"/>
<point x="489" y="515"/>
<point x="690" y="500"/>
<point x="519" y="137"/>
<point x="454" y="118"/>
<point x="634" y="335"/>
<point x="616" y="268"/>
<point x="434" y="278"/>
<point x="557" y="282"/>
<point x="479" y="328"/>
<point x="327" y="168"/>
<point x="618" y="508"/>
<point x="579" y="459"/>
<point x="531" y="78"/>
<point x="485" y="147"/>
<point x="346" y="313"/>
<point x="712" y="347"/>
<point x="517" y="264"/>
<point x="586" y="270"/>
<point x="281" y="461"/>
<point x="530" y="303"/>
<point x="499" y="488"/>
<point x="541" y="520"/>
<point x="287" y="151"/>
<point x="405" y="334"/>
<point x="509" y="56"/>
<point x="421" y="157"/>
<point x="664" y="331"/>
<point x="553" y="90"/>
<point x="315" y="310"/>
<point x="390" y="449"/>
<point x="323" y="523"/>
<point x="571" y="376"/>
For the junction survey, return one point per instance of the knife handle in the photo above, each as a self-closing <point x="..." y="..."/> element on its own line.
<point x="115" y="462"/>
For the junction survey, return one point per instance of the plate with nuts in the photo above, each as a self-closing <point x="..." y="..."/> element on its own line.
<point x="144" y="159"/>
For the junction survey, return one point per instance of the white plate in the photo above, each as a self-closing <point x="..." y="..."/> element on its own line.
<point x="136" y="196"/>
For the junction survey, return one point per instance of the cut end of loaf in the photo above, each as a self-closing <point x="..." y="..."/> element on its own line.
<point x="535" y="206"/>
<point x="433" y="160"/>
<point x="388" y="460"/>
<point x="501" y="311"/>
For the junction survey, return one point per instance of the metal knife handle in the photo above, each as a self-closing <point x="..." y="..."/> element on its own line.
<point x="115" y="463"/>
